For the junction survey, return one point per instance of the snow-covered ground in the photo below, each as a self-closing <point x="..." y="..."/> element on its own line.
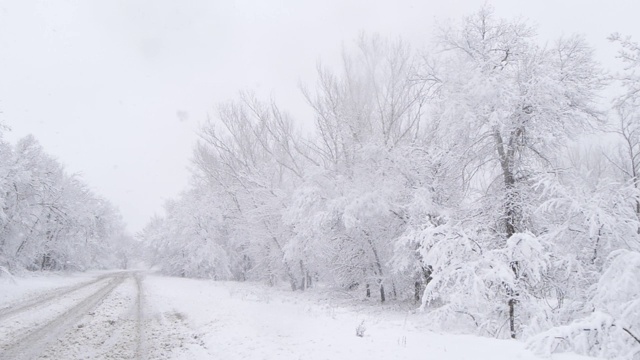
<point x="31" y="285"/>
<point x="134" y="315"/>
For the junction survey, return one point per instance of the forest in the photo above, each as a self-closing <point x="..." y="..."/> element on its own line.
<point x="51" y="220"/>
<point x="491" y="178"/>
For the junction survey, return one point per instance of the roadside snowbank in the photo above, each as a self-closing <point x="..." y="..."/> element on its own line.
<point x="30" y="285"/>
<point x="251" y="321"/>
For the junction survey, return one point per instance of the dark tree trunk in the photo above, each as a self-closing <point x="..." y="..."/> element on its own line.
<point x="506" y="155"/>
<point x="378" y="265"/>
<point x="512" y="323"/>
<point x="513" y="300"/>
<point x="395" y="291"/>
<point x="421" y="284"/>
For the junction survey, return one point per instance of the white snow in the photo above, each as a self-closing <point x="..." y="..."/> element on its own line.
<point x="30" y="285"/>
<point x="252" y="321"/>
<point x="177" y="318"/>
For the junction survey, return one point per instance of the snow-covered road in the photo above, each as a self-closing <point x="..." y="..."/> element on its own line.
<point x="104" y="317"/>
<point x="55" y="324"/>
<point x="132" y="315"/>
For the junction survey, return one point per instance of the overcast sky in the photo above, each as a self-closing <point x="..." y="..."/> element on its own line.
<point x="115" y="89"/>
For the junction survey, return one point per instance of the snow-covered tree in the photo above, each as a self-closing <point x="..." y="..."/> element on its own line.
<point x="189" y="240"/>
<point x="610" y="326"/>
<point x="592" y="215"/>
<point x="513" y="104"/>
<point x="451" y="178"/>
<point x="50" y="219"/>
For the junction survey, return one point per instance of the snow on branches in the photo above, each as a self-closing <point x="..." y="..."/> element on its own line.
<point x="446" y="178"/>
<point x="49" y="219"/>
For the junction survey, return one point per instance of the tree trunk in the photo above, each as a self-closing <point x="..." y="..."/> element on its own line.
<point x="378" y="265"/>
<point x="512" y="322"/>
<point x="287" y="268"/>
<point x="506" y="158"/>
<point x="421" y="284"/>
<point x="304" y="281"/>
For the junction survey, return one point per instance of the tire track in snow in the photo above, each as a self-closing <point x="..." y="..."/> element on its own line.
<point x="21" y="323"/>
<point x="50" y="296"/>
<point x="139" y="317"/>
<point x="109" y="331"/>
<point x="165" y="330"/>
<point x="36" y="340"/>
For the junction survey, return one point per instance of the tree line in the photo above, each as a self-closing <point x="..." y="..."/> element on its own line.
<point x="49" y="219"/>
<point x="457" y="176"/>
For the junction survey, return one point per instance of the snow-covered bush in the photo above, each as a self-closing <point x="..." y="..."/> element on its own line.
<point x="361" y="329"/>
<point x="612" y="330"/>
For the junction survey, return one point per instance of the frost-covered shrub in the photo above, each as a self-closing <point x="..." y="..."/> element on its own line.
<point x="618" y="291"/>
<point x="613" y="329"/>
<point x="597" y="335"/>
<point x="472" y="286"/>
<point x="360" y="329"/>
